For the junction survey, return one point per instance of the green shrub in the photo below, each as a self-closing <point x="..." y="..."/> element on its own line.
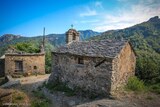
<point x="41" y="100"/>
<point x="135" y="84"/>
<point x="58" y="86"/>
<point x="40" y="103"/>
<point x="62" y="87"/>
<point x="19" y="97"/>
<point x="155" y="88"/>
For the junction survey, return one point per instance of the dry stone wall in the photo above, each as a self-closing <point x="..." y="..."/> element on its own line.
<point x="123" y="67"/>
<point x="2" y="63"/>
<point x="31" y="63"/>
<point x="101" y="75"/>
<point x="85" y="76"/>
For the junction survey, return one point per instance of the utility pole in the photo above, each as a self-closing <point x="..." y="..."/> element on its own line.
<point x="42" y="45"/>
<point x="43" y="37"/>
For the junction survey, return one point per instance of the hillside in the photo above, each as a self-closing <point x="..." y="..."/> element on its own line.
<point x="145" y="38"/>
<point x="52" y="39"/>
<point x="142" y="36"/>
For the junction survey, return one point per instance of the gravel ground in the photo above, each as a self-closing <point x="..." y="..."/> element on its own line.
<point x="59" y="99"/>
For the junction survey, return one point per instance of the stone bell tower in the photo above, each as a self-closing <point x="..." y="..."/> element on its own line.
<point x="71" y="36"/>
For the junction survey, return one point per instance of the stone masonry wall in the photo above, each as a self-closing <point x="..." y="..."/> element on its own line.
<point x="70" y="35"/>
<point x="2" y="61"/>
<point x="31" y="63"/>
<point x="86" y="76"/>
<point x="123" y="67"/>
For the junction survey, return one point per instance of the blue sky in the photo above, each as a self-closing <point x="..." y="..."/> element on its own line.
<point x="28" y="17"/>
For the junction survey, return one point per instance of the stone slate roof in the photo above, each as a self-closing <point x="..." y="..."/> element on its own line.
<point x="103" y="48"/>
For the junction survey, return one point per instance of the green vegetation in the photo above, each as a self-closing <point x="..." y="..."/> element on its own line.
<point x="19" y="97"/>
<point x="57" y="86"/>
<point x="135" y="84"/>
<point x="41" y="100"/>
<point x="147" y="67"/>
<point x="62" y="87"/>
<point x="48" y="62"/>
<point x="155" y="88"/>
<point x="145" y="39"/>
<point x="27" y="47"/>
<point x="33" y="47"/>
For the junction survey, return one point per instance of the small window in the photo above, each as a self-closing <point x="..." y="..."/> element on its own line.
<point x="74" y="37"/>
<point x="18" y="66"/>
<point x="80" y="60"/>
<point x="35" y="67"/>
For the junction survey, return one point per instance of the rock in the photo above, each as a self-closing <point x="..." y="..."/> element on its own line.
<point x="71" y="103"/>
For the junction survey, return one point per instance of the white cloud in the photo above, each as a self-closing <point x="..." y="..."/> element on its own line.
<point x="123" y="18"/>
<point x="89" y="21"/>
<point x="88" y="12"/>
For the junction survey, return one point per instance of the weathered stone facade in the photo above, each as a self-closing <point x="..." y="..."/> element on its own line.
<point x="95" y="66"/>
<point x="85" y="76"/>
<point x="123" y="67"/>
<point x="2" y="69"/>
<point x="31" y="63"/>
<point x="72" y="35"/>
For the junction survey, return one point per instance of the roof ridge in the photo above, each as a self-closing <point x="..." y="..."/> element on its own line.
<point x="105" y="48"/>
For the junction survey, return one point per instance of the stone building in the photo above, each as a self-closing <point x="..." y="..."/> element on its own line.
<point x="2" y="65"/>
<point x="95" y="66"/>
<point x="72" y="35"/>
<point x="19" y="63"/>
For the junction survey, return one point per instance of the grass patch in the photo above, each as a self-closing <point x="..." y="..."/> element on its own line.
<point x="149" y="98"/>
<point x="41" y="100"/>
<point x="134" y="84"/>
<point x="155" y="88"/>
<point x="40" y="103"/>
<point x="61" y="87"/>
<point x="19" y="98"/>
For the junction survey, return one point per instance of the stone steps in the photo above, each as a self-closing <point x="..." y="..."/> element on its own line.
<point x="17" y="74"/>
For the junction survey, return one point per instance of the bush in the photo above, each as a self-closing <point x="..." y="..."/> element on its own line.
<point x="40" y="103"/>
<point x="155" y="88"/>
<point x="147" y="67"/>
<point x="61" y="87"/>
<point x="135" y="84"/>
<point x="48" y="62"/>
<point x="41" y="100"/>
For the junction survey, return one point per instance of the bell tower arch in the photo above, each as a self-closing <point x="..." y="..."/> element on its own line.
<point x="71" y="36"/>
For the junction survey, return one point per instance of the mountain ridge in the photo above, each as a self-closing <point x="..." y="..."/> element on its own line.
<point x="52" y="39"/>
<point x="146" y="33"/>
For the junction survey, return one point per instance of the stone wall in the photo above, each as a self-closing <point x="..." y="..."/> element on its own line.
<point x="2" y="70"/>
<point x="123" y="67"/>
<point x="94" y="76"/>
<point x="85" y="76"/>
<point x="72" y="35"/>
<point x="32" y="63"/>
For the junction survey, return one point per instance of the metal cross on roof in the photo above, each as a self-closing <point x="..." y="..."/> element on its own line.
<point x="72" y="26"/>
